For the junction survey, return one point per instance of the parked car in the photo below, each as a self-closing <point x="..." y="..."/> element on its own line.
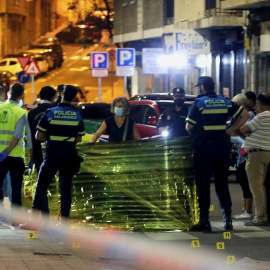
<point x="55" y="49"/>
<point x="12" y="55"/>
<point x="79" y="34"/>
<point x="47" y="54"/>
<point x="93" y="115"/>
<point x="40" y="59"/>
<point x="144" y="112"/>
<point x="10" y="64"/>
<point x="50" y="40"/>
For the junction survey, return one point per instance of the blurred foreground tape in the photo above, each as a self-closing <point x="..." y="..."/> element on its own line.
<point x="138" y="185"/>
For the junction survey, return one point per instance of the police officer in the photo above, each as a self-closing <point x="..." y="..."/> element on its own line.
<point x="172" y="121"/>
<point x="61" y="127"/>
<point x="47" y="95"/>
<point x="206" y="121"/>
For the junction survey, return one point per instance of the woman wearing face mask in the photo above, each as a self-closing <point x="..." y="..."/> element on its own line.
<point x="172" y="120"/>
<point x="119" y="126"/>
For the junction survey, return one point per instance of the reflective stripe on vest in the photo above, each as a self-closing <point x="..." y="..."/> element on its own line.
<point x="64" y="123"/>
<point x="22" y="144"/>
<point x="62" y="139"/>
<point x="10" y="113"/>
<point x="214" y="111"/>
<point x="6" y="132"/>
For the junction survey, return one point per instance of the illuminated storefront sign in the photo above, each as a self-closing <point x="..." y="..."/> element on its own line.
<point x="186" y="41"/>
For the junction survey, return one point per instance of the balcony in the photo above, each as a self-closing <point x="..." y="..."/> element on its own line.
<point x="244" y="4"/>
<point x="17" y="7"/>
<point x="217" y="18"/>
<point x="222" y="12"/>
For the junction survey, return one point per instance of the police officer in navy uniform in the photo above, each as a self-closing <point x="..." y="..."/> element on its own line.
<point x="172" y="119"/>
<point x="206" y="122"/>
<point x="47" y="95"/>
<point x="61" y="127"/>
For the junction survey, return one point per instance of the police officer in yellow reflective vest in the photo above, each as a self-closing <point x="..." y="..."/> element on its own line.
<point x="13" y="122"/>
<point x="206" y="121"/>
<point x="61" y="127"/>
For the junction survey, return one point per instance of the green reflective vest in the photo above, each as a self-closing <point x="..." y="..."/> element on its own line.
<point x="10" y="113"/>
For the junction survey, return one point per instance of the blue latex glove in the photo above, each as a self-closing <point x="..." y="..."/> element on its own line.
<point x="31" y="164"/>
<point x="3" y="155"/>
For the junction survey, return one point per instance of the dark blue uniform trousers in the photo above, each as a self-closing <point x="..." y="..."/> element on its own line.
<point x="15" y="166"/>
<point x="210" y="160"/>
<point x="54" y="160"/>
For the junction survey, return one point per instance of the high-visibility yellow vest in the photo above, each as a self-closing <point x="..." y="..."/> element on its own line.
<point x="10" y="113"/>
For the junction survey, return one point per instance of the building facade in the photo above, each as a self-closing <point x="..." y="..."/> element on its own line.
<point x="256" y="27"/>
<point x="151" y="23"/>
<point x="22" y="22"/>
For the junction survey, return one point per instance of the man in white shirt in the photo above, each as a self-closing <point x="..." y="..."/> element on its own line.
<point x="257" y="146"/>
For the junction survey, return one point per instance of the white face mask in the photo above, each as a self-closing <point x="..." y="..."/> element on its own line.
<point x="20" y="103"/>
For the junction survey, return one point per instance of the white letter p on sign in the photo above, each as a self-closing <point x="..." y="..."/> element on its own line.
<point x="124" y="55"/>
<point x="98" y="58"/>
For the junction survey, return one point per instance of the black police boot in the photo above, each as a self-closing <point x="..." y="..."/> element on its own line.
<point x="227" y="219"/>
<point x="203" y="225"/>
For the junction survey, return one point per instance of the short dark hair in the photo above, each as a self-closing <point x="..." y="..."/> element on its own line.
<point x="207" y="82"/>
<point x="251" y="95"/>
<point x="16" y="90"/>
<point x="70" y="92"/>
<point x="125" y="102"/>
<point x="47" y="92"/>
<point x="264" y="98"/>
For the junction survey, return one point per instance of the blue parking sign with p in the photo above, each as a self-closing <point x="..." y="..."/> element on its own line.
<point x="125" y="57"/>
<point x="99" y="60"/>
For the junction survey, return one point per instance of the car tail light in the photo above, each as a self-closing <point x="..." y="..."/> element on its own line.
<point x="152" y="120"/>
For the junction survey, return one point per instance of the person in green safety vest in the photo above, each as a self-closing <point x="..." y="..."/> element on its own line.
<point x="6" y="182"/>
<point x="13" y="123"/>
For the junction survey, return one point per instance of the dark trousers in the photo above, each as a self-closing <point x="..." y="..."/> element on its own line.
<point x="208" y="161"/>
<point x="15" y="167"/>
<point x="38" y="159"/>
<point x="241" y="176"/>
<point x="54" y="160"/>
<point x="267" y="191"/>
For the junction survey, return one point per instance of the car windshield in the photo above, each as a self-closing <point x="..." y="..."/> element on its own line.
<point x="95" y="111"/>
<point x="162" y="106"/>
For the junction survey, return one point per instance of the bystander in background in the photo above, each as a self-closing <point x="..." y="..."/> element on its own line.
<point x="257" y="146"/>
<point x="241" y="174"/>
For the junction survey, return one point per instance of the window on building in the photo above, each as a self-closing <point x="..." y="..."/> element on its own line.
<point x="169" y="8"/>
<point x="168" y="12"/>
<point x="209" y="4"/>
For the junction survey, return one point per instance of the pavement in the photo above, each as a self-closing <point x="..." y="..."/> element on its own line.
<point x="73" y="248"/>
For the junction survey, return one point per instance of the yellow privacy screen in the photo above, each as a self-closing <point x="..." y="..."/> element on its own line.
<point x="138" y="185"/>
